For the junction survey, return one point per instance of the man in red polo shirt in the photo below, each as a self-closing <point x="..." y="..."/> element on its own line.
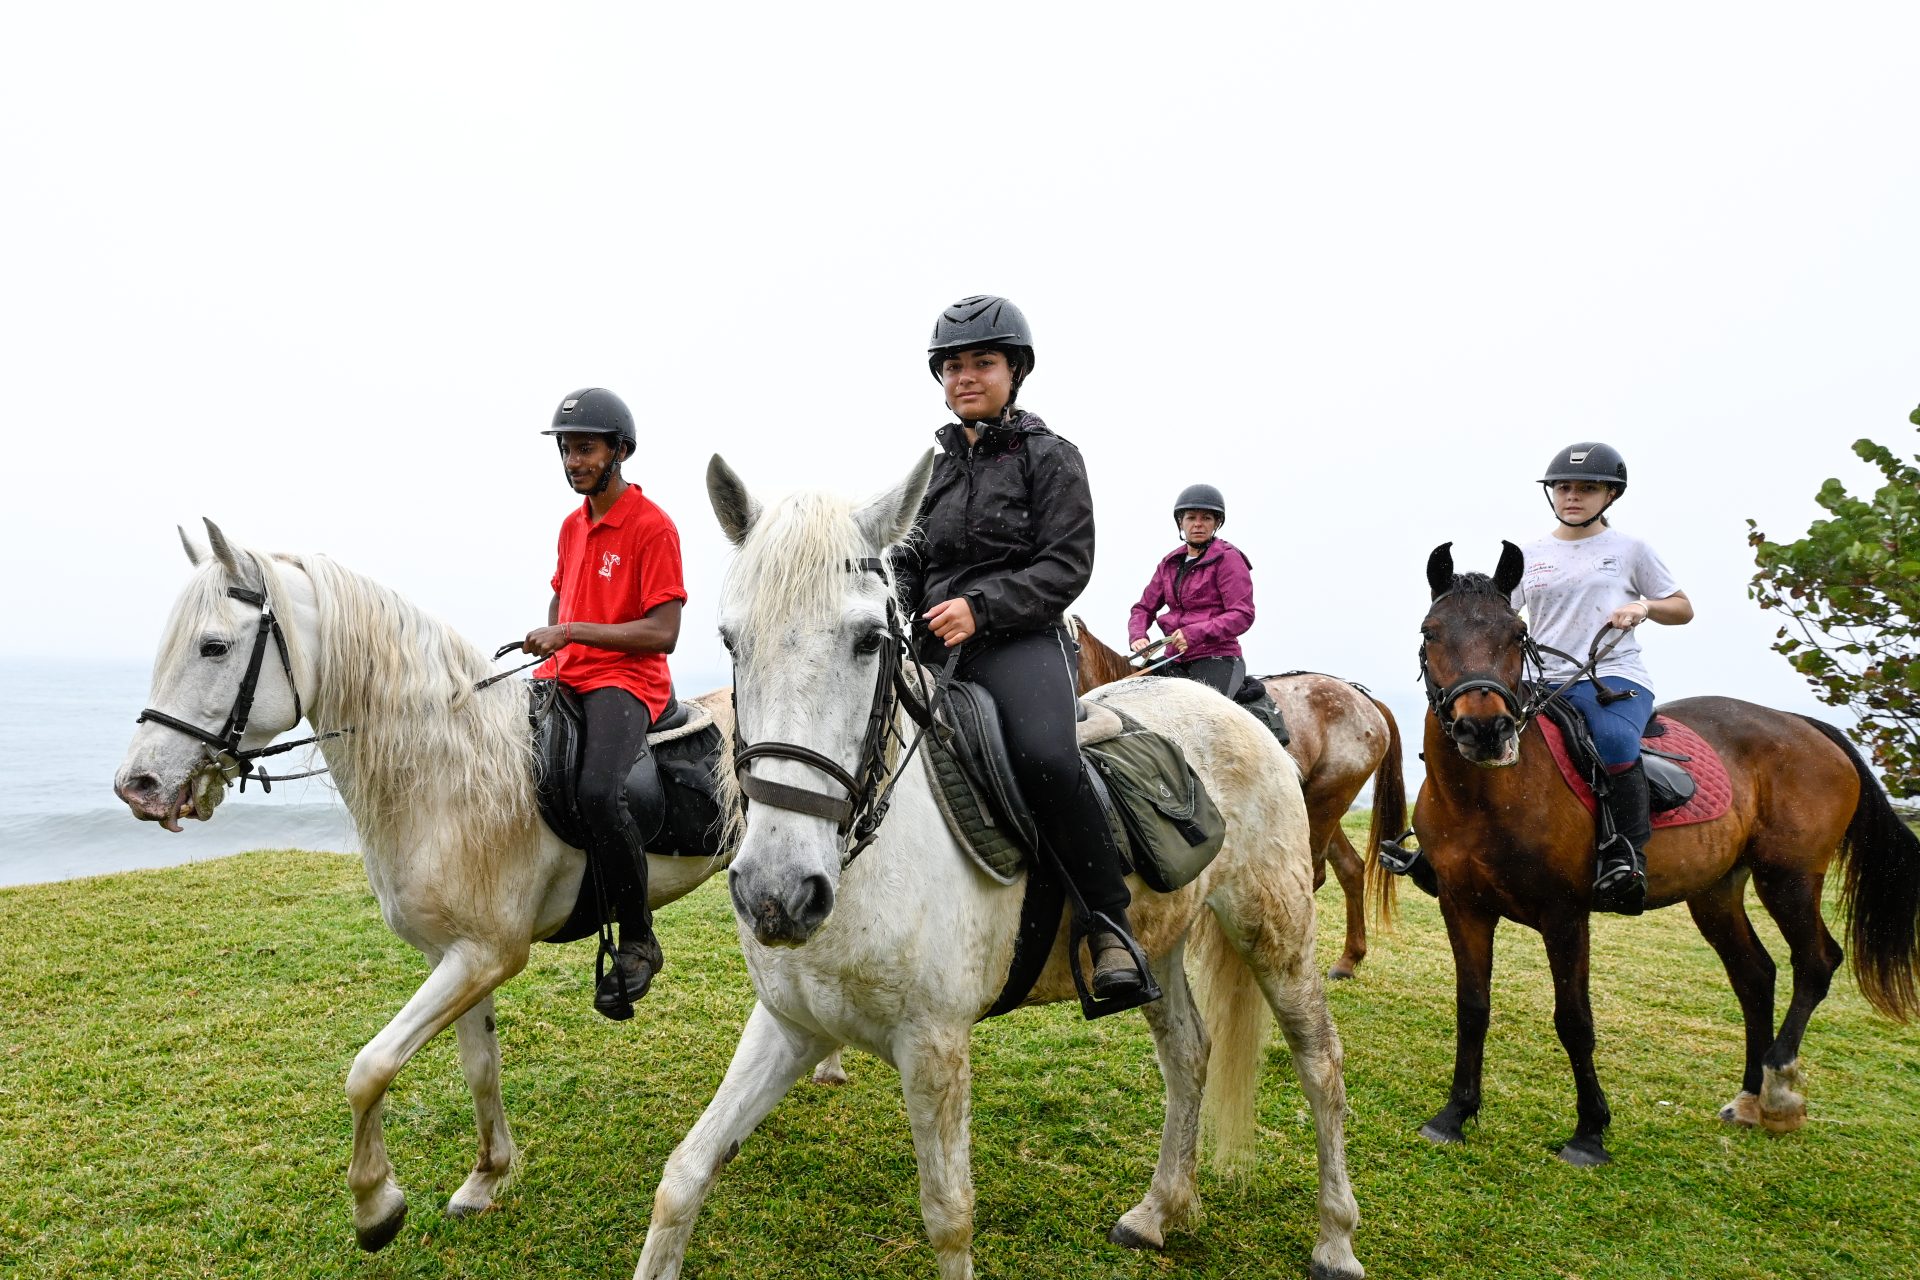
<point x="614" y="619"/>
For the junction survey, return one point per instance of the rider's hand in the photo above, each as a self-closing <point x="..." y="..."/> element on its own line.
<point x="1141" y="643"/>
<point x="1629" y="616"/>
<point x="952" y="621"/>
<point x="1178" y="641"/>
<point x="544" y="642"/>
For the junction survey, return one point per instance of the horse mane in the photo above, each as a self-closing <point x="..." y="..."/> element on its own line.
<point x="423" y="740"/>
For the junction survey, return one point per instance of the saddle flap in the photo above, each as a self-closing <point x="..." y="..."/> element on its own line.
<point x="1668" y="785"/>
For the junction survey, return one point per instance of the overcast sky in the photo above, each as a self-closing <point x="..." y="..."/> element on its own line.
<point x="322" y="272"/>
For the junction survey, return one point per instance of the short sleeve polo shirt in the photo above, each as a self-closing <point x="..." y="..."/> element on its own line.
<point x="615" y="571"/>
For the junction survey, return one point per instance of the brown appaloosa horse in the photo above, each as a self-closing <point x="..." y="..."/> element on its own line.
<point x="1341" y="737"/>
<point x="1505" y="836"/>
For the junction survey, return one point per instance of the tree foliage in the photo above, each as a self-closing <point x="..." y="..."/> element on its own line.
<point x="1850" y="590"/>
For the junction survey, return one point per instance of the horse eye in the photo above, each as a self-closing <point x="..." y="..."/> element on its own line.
<point x="1426" y="633"/>
<point x="214" y="648"/>
<point x="726" y="640"/>
<point x="868" y="643"/>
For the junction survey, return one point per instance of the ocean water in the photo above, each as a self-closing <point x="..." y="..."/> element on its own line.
<point x="64" y="727"/>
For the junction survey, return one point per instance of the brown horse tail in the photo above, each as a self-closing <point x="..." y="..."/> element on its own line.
<point x="1389" y="821"/>
<point x="1880" y="897"/>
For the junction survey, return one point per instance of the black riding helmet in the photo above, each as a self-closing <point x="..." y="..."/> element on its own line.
<point x="984" y="320"/>
<point x="1200" y="497"/>
<point x="595" y="411"/>
<point x="1589" y="460"/>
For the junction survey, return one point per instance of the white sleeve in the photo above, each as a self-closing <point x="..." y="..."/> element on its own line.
<point x="1651" y="577"/>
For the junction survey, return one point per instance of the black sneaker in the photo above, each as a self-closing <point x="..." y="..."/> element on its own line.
<point x="634" y="965"/>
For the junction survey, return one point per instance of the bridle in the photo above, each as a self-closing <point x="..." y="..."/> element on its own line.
<point x="1440" y="698"/>
<point x="226" y="755"/>
<point x="869" y="785"/>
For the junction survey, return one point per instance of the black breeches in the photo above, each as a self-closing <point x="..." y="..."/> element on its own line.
<point x="1223" y="675"/>
<point x="616" y="739"/>
<point x="1031" y="678"/>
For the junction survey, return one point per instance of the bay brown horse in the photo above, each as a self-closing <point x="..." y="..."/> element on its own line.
<point x="1342" y="736"/>
<point x="1506" y="837"/>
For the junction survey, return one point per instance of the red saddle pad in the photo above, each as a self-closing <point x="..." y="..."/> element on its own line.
<point x="1713" y="791"/>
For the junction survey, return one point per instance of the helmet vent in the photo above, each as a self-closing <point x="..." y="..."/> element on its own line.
<point x="1577" y="457"/>
<point x="566" y="406"/>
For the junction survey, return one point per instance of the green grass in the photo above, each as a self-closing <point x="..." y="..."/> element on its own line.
<point x="173" y="1044"/>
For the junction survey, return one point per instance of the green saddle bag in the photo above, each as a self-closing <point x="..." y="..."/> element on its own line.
<point x="1171" y="822"/>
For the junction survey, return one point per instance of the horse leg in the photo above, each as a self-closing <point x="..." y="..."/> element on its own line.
<point x="1721" y="915"/>
<point x="771" y="1055"/>
<point x="1567" y="954"/>
<point x="480" y="1062"/>
<point x="1470" y="933"/>
<point x="1352" y="874"/>
<point x="1180" y="1044"/>
<point x="461" y="977"/>
<point x="936" y="1078"/>
<point x="1792" y="898"/>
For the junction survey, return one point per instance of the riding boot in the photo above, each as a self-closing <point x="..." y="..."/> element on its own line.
<point x="1620" y="879"/>
<point x="630" y="968"/>
<point x="1114" y="972"/>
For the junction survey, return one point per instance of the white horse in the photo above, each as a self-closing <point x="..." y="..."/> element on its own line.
<point x="902" y="950"/>
<point x="439" y="779"/>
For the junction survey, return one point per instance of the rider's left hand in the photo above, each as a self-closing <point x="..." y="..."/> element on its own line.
<point x="1629" y="616"/>
<point x="952" y="621"/>
<point x="544" y="642"/>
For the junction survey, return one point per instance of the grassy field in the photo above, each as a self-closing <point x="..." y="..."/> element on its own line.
<point x="173" y="1046"/>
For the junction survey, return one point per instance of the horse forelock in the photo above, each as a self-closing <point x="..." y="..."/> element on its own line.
<point x="791" y="572"/>
<point x="1476" y="584"/>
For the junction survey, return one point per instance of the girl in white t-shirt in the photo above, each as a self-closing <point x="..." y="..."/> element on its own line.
<point x="1581" y="576"/>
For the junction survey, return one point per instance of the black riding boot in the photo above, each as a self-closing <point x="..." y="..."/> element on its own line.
<point x="1620" y="880"/>
<point x="628" y="971"/>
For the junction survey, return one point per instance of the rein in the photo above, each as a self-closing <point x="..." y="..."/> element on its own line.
<point x="869" y="786"/>
<point x="227" y="756"/>
<point x="1440" y="699"/>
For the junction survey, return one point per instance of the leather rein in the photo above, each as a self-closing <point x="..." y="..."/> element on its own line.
<point x="226" y="755"/>
<point x="1440" y="698"/>
<point x="869" y="785"/>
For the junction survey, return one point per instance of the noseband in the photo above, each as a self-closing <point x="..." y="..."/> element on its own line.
<point x="226" y="755"/>
<point x="869" y="788"/>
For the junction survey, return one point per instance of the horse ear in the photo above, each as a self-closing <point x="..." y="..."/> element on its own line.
<point x="734" y="506"/>
<point x="1440" y="570"/>
<point x="233" y="560"/>
<point x="1513" y="563"/>
<point x="889" y="518"/>
<point x="194" y="554"/>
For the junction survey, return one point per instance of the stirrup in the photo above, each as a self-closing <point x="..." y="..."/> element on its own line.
<point x="1620" y="885"/>
<point x="1399" y="854"/>
<point x="1092" y="1006"/>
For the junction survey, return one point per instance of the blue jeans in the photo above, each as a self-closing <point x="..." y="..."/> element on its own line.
<point x="1616" y="728"/>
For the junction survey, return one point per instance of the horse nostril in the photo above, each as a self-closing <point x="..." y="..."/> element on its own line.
<point x="140" y="785"/>
<point x="814" y="901"/>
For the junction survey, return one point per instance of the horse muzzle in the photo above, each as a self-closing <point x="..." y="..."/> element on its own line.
<point x="782" y="912"/>
<point x="1492" y="742"/>
<point x="150" y="801"/>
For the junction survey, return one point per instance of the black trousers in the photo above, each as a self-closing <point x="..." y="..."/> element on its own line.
<point x="616" y="739"/>
<point x="1224" y="675"/>
<point x="1030" y="676"/>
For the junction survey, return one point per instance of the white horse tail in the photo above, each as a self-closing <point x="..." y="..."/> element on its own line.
<point x="1237" y="1020"/>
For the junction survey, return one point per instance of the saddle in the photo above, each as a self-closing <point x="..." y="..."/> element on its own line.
<point x="1161" y="816"/>
<point x="1686" y="779"/>
<point x="672" y="792"/>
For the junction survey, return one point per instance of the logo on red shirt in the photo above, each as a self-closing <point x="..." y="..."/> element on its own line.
<point x="608" y="559"/>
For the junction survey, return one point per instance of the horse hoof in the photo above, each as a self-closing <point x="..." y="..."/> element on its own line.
<point x="1127" y="1238"/>
<point x="1782" y="1121"/>
<point x="1320" y="1271"/>
<point x="1341" y="973"/>
<point x="1441" y="1137"/>
<point x="381" y="1234"/>
<point x="1585" y="1153"/>
<point x="1743" y="1111"/>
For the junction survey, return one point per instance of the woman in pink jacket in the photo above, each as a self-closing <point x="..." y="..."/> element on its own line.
<point x="1206" y="589"/>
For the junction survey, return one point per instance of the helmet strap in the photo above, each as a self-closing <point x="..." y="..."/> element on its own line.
<point x="1601" y="513"/>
